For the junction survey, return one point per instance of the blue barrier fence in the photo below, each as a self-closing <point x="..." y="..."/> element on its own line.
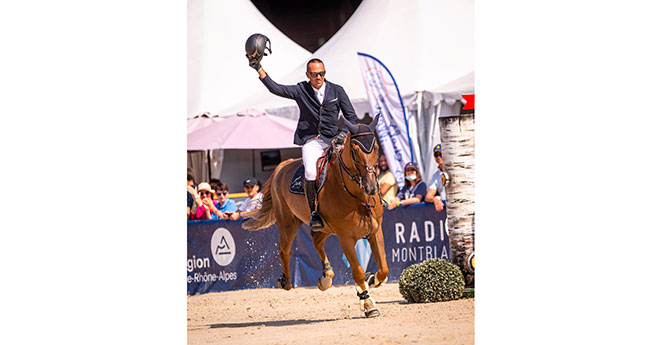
<point x="222" y="256"/>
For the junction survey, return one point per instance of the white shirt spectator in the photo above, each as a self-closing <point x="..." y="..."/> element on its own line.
<point x="436" y="184"/>
<point x="251" y="204"/>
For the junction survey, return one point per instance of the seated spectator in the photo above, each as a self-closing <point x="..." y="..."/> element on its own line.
<point x="214" y="182"/>
<point x="223" y="207"/>
<point x="203" y="211"/>
<point x="436" y="192"/>
<point x="193" y="197"/>
<point x="252" y="188"/>
<point x="414" y="188"/>
<point x="386" y="180"/>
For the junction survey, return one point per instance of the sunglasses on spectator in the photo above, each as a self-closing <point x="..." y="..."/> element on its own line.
<point x="223" y="193"/>
<point x="316" y="74"/>
<point x="437" y="154"/>
<point x="204" y="193"/>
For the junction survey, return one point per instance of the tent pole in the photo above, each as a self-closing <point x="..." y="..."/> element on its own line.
<point x="208" y="161"/>
<point x="253" y="163"/>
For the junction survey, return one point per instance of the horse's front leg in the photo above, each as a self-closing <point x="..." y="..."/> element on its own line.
<point x="325" y="280"/>
<point x="377" y="244"/>
<point x="367" y="304"/>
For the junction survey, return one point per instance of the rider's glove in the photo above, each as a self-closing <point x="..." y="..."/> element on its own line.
<point x="255" y="62"/>
<point x="339" y="139"/>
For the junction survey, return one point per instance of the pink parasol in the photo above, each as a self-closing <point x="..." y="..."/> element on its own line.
<point x="250" y="129"/>
<point x="201" y="121"/>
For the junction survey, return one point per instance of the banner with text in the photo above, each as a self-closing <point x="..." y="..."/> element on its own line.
<point x="222" y="256"/>
<point x="384" y="98"/>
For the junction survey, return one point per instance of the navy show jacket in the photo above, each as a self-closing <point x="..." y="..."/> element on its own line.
<point x="315" y="119"/>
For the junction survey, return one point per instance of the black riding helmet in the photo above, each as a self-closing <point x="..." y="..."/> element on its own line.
<point x="256" y="45"/>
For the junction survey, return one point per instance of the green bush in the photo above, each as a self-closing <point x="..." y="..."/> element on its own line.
<point x="433" y="280"/>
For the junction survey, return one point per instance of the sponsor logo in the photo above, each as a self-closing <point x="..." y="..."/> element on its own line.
<point x="222" y="247"/>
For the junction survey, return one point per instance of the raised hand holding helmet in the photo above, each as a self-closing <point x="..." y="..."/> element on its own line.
<point x="255" y="49"/>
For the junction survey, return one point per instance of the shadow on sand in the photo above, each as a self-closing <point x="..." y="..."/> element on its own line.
<point x="275" y="323"/>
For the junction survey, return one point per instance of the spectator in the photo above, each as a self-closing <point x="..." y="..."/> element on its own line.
<point x="214" y="182"/>
<point x="253" y="189"/>
<point x="203" y="211"/>
<point x="223" y="207"/>
<point x="193" y="197"/>
<point x="386" y="180"/>
<point x="436" y="193"/>
<point x="414" y="188"/>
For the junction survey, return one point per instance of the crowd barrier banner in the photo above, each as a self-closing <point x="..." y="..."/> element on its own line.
<point x="222" y="256"/>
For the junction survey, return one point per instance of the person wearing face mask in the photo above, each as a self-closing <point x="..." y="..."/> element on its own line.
<point x="414" y="189"/>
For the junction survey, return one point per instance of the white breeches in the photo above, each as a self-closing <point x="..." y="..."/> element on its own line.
<point x="311" y="152"/>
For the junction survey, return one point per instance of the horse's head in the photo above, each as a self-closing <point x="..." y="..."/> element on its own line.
<point x="364" y="153"/>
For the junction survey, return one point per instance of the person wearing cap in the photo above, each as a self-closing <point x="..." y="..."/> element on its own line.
<point x="414" y="188"/>
<point x="252" y="188"/>
<point x="203" y="211"/>
<point x="319" y="102"/>
<point x="436" y="192"/>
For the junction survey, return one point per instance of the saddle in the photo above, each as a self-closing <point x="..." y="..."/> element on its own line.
<point x="296" y="184"/>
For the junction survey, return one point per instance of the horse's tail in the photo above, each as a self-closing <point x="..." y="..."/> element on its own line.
<point x="262" y="217"/>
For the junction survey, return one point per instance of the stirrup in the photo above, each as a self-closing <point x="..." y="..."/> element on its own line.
<point x="315" y="221"/>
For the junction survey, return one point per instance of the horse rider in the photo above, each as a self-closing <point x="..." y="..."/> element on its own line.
<point x="319" y="102"/>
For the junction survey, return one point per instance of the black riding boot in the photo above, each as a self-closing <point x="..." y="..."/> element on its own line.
<point x="315" y="221"/>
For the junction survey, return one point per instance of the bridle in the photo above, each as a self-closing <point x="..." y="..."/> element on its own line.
<point x="369" y="168"/>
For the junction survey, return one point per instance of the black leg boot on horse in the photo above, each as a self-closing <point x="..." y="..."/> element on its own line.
<point x="315" y="221"/>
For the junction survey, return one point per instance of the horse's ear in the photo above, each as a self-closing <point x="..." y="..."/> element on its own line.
<point x="351" y="127"/>
<point x="374" y="122"/>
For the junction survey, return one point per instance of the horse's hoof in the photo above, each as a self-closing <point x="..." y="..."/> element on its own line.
<point x="324" y="283"/>
<point x="285" y="287"/>
<point x="283" y="283"/>
<point x="372" y="313"/>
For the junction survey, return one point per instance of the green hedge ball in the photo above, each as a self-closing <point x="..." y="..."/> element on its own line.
<point x="433" y="280"/>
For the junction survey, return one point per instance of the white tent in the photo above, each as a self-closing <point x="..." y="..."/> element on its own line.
<point x="424" y="43"/>
<point x="218" y="72"/>
<point x="428" y="46"/>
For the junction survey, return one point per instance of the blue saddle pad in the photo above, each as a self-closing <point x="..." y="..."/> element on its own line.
<point x="296" y="186"/>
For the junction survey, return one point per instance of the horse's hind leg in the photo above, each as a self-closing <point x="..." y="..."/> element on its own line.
<point x="325" y="280"/>
<point x="287" y="235"/>
<point x="367" y="304"/>
<point x="377" y="244"/>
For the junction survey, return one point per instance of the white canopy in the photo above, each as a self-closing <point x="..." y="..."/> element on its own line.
<point x="426" y="44"/>
<point x="218" y="72"/>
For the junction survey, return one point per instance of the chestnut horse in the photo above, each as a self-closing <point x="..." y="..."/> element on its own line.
<point x="349" y="203"/>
